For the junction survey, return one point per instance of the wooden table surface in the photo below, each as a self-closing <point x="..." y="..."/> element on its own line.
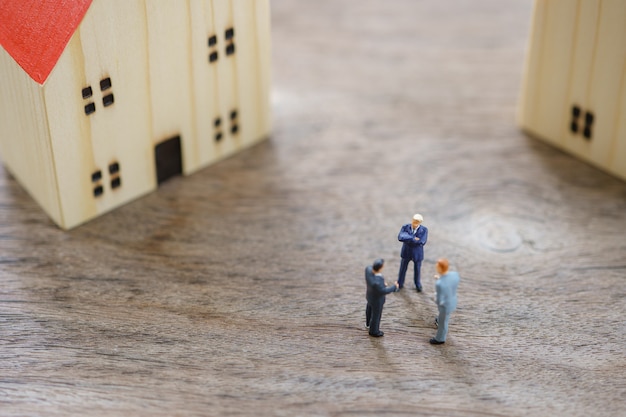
<point x="240" y="290"/>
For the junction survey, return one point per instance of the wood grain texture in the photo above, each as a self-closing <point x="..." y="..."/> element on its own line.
<point x="171" y="81"/>
<point x="239" y="290"/>
<point x="618" y="153"/>
<point x="34" y="149"/>
<point x="608" y="69"/>
<point x="582" y="68"/>
<point x="551" y="109"/>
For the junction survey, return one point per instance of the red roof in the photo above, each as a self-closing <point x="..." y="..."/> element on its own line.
<point x="35" y="32"/>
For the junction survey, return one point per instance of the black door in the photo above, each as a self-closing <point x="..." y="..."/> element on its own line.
<point x="169" y="160"/>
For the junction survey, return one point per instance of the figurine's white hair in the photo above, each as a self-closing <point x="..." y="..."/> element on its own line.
<point x="418" y="217"/>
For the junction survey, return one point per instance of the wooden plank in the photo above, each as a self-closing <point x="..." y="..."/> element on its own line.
<point x="580" y="82"/>
<point x="550" y="107"/>
<point x="204" y="58"/>
<point x="617" y="163"/>
<point x="226" y="83"/>
<point x="171" y="81"/>
<point x="529" y="95"/>
<point x="114" y="45"/>
<point x="24" y="136"/>
<point x="606" y="77"/>
<point x="246" y="70"/>
<point x="252" y="22"/>
<point x="264" y="66"/>
<point x="71" y="133"/>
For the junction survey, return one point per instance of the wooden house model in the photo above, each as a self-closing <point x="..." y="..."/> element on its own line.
<point x="574" y="89"/>
<point x="103" y="100"/>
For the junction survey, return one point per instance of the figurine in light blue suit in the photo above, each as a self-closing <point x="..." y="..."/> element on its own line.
<point x="446" y="286"/>
<point x="413" y="237"/>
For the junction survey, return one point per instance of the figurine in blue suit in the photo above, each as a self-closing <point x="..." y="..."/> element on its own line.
<point x="446" y="286"/>
<point x="376" y="292"/>
<point x="413" y="237"/>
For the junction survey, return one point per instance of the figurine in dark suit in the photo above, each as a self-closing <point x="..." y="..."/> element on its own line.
<point x="376" y="292"/>
<point x="446" y="286"/>
<point x="413" y="237"/>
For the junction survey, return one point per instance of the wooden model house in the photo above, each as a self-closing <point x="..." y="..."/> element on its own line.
<point x="102" y="100"/>
<point x="574" y="89"/>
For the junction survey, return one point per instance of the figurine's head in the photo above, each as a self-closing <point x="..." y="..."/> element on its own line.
<point x="378" y="265"/>
<point x="417" y="220"/>
<point x="442" y="266"/>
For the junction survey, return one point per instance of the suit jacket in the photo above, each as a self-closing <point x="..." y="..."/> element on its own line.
<point x="411" y="249"/>
<point x="446" y="287"/>
<point x="376" y="289"/>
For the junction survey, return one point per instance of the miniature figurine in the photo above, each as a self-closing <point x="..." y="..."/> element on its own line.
<point x="413" y="237"/>
<point x="446" y="285"/>
<point x="376" y="291"/>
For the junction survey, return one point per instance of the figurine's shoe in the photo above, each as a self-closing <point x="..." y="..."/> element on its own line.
<point x="419" y="288"/>
<point x="379" y="334"/>
<point x="434" y="341"/>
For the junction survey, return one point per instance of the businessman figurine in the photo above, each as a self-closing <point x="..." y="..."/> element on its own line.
<point x="376" y="292"/>
<point x="446" y="286"/>
<point x="413" y="237"/>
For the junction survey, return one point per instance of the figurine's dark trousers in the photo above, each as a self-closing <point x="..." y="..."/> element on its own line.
<point x="373" y="312"/>
<point x="417" y="267"/>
